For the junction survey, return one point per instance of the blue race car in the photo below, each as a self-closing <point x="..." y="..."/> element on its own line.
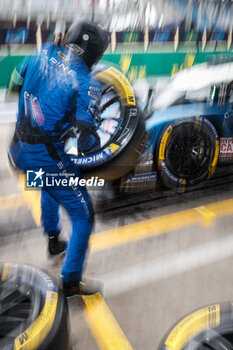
<point x="178" y="134"/>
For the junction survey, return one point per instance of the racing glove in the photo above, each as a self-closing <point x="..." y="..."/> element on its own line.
<point x="85" y="133"/>
<point x="88" y="139"/>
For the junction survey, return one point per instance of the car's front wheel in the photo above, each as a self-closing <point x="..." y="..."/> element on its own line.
<point x="187" y="153"/>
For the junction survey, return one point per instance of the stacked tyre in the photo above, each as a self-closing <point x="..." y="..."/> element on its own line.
<point x="208" y="328"/>
<point x="33" y="310"/>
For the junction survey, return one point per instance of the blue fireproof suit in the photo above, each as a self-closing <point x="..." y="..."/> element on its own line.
<point x="56" y="89"/>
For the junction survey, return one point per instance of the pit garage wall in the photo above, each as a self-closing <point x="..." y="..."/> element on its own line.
<point x="136" y="65"/>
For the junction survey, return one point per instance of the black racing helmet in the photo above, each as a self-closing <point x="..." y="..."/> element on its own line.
<point x="87" y="40"/>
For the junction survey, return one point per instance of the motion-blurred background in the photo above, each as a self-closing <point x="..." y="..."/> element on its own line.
<point x="174" y="34"/>
<point x="150" y="39"/>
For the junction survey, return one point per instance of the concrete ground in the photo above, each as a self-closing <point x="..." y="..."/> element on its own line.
<point x="170" y="257"/>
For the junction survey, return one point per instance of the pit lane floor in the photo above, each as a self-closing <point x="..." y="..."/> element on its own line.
<point x="158" y="261"/>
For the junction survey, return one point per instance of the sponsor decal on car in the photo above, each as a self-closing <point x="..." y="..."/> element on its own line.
<point x="143" y="177"/>
<point x="226" y="150"/>
<point x="226" y="145"/>
<point x="140" y="182"/>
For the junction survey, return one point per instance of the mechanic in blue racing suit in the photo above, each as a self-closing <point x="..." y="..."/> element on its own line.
<point x="58" y="93"/>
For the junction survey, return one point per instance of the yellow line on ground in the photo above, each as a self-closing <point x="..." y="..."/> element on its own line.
<point x="203" y="215"/>
<point x="32" y="199"/>
<point x="207" y="215"/>
<point x="205" y="212"/>
<point x="12" y="201"/>
<point x="142" y="229"/>
<point x="103" y="325"/>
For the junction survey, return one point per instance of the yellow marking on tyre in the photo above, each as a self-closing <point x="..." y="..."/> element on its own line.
<point x="34" y="336"/>
<point x="196" y="122"/>
<point x="163" y="144"/>
<point x="5" y="271"/>
<point x="103" y="325"/>
<point x="160" y="225"/>
<point x="122" y="84"/>
<point x="192" y="325"/>
<point x="114" y="147"/>
<point x="183" y="184"/>
<point x="215" y="160"/>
